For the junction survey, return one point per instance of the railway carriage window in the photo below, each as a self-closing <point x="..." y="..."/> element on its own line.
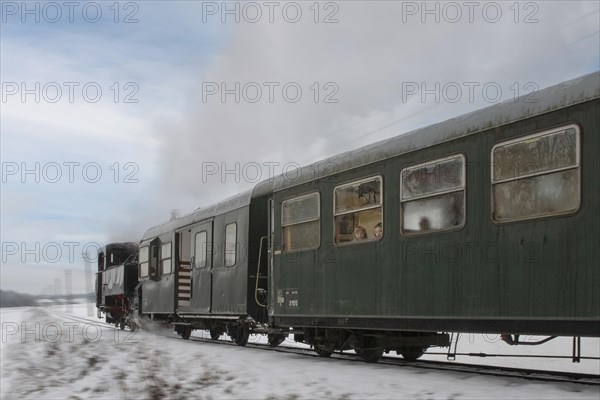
<point x="200" y="249"/>
<point x="165" y="258"/>
<point x="300" y="219"/>
<point x="143" y="261"/>
<point x="230" y="244"/>
<point x="153" y="260"/>
<point x="432" y="196"/>
<point x="358" y="209"/>
<point x="536" y="176"/>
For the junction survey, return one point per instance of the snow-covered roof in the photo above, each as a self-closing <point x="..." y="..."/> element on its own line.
<point x="565" y="94"/>
<point x="230" y="204"/>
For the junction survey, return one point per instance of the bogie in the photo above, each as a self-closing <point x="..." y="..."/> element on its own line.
<point x="275" y="339"/>
<point x="370" y="355"/>
<point x="215" y="333"/>
<point x="186" y="333"/>
<point x="239" y="334"/>
<point x="324" y="349"/>
<point x="368" y="347"/>
<point x="411" y="353"/>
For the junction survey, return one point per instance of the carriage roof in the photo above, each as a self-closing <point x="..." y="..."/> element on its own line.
<point x="201" y="214"/>
<point x="565" y="94"/>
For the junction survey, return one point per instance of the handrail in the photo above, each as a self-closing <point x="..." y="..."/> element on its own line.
<point x="260" y="246"/>
<point x="513" y="342"/>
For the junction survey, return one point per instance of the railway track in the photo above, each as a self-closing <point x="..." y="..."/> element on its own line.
<point x="75" y="318"/>
<point x="530" y="374"/>
<point x="521" y="373"/>
<point x="452" y="366"/>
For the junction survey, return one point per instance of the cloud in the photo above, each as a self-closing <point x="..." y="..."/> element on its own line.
<point x="176" y="134"/>
<point x="111" y="135"/>
<point x="368" y="56"/>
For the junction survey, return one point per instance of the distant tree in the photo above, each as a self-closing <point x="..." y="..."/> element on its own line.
<point x="8" y="298"/>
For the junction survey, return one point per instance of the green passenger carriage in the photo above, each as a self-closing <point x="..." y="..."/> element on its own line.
<point x="485" y="223"/>
<point x="491" y="224"/>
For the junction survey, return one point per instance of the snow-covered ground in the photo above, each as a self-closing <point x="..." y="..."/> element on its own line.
<point x="47" y="353"/>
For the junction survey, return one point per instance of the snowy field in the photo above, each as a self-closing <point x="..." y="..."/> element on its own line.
<point x="48" y="353"/>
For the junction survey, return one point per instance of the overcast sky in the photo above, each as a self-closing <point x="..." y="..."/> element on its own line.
<point x="121" y="113"/>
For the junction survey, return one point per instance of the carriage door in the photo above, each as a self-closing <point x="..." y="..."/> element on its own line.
<point x="201" y="242"/>
<point x="271" y="230"/>
<point x="271" y="235"/>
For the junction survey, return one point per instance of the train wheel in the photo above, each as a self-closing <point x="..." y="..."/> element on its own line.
<point x="370" y="349"/>
<point x="232" y="332"/>
<point x="323" y="349"/>
<point x="215" y="334"/>
<point x="275" y="339"/>
<point x="370" y="355"/>
<point x="239" y="334"/>
<point x="243" y="333"/>
<point x="186" y="332"/>
<point x="412" y="353"/>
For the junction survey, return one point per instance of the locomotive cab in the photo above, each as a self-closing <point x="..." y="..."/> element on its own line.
<point x="116" y="281"/>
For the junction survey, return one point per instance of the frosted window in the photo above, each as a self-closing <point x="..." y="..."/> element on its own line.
<point x="143" y="254"/>
<point x="537" y="154"/>
<point x="432" y="178"/>
<point x="143" y="270"/>
<point x="433" y="196"/>
<point x="300" y="219"/>
<point x="165" y="258"/>
<point x="200" y="249"/>
<point x="143" y="260"/>
<point x="230" y="244"/>
<point x="536" y="176"/>
<point x="358" y="211"/>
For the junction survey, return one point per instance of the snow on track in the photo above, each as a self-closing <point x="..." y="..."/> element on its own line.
<point x="83" y="363"/>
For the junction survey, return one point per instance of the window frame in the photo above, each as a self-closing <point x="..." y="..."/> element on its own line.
<point x="225" y="247"/>
<point x="163" y="258"/>
<point x="520" y="139"/>
<point x="147" y="261"/>
<point x="300" y="197"/>
<point x="381" y="194"/>
<point x="205" y="232"/>
<point x="462" y="188"/>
